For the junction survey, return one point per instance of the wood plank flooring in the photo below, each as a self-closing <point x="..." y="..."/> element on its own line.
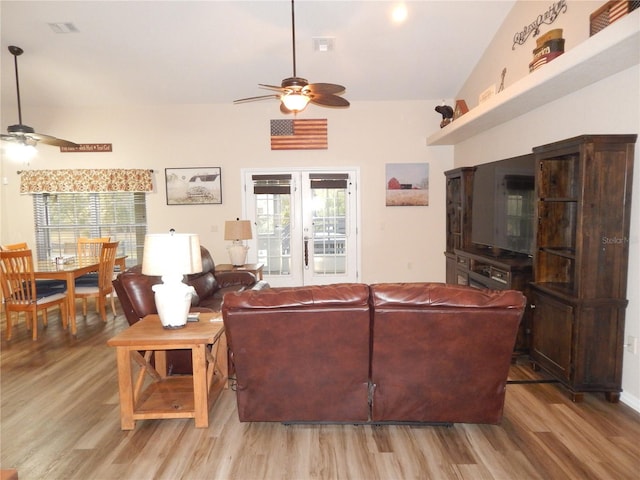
<point x="60" y="420"/>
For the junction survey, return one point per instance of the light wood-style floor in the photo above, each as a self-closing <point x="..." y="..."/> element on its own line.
<point x="60" y="420"/>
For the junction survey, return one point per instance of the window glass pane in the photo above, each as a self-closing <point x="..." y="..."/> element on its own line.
<point x="329" y="234"/>
<point x="63" y="217"/>
<point x="273" y="230"/>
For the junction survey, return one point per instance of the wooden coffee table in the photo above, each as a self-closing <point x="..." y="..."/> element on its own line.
<point x="154" y="395"/>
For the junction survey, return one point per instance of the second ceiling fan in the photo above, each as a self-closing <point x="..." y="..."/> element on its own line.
<point x="296" y="92"/>
<point x="23" y="134"/>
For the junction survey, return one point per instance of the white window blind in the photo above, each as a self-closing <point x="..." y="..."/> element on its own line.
<point x="60" y="218"/>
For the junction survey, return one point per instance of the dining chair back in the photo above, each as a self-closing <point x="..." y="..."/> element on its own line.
<point x="89" y="247"/>
<point x="21" y="293"/>
<point x="14" y="246"/>
<point x="104" y="287"/>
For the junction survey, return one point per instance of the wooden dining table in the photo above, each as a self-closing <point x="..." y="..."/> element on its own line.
<point x="68" y="271"/>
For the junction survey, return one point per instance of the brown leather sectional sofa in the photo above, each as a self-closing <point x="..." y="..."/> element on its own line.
<point x="384" y="353"/>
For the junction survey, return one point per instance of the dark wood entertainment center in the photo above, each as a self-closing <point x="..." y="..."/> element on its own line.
<point x="576" y="279"/>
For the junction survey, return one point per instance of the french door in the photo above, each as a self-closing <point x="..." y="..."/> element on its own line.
<point x="305" y="225"/>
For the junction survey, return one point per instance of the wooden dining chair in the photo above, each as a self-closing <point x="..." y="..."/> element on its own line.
<point x="88" y="248"/>
<point x="104" y="287"/>
<point x="45" y="286"/>
<point x="21" y="293"/>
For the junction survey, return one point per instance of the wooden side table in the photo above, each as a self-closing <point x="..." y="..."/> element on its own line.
<point x="154" y="395"/>
<point x="255" y="268"/>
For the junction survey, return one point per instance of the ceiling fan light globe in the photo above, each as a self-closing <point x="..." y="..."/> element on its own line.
<point x="295" y="102"/>
<point x="21" y="152"/>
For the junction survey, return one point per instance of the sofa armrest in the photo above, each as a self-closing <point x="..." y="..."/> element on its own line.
<point x="135" y="294"/>
<point x="230" y="279"/>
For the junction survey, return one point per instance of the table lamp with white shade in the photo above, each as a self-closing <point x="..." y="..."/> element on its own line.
<point x="237" y="231"/>
<point x="171" y="256"/>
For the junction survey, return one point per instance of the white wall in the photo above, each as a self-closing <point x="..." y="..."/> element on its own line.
<point x="398" y="243"/>
<point x="609" y="106"/>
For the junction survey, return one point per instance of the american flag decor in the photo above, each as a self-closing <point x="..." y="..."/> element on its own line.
<point x="309" y="134"/>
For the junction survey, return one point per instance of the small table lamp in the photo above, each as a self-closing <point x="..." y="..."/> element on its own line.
<point x="237" y="230"/>
<point x="172" y="255"/>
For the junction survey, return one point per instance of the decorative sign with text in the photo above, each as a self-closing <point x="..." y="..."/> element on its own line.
<point x="88" y="147"/>
<point x="548" y="17"/>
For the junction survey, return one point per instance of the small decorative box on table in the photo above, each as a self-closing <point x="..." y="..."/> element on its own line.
<point x="154" y="395"/>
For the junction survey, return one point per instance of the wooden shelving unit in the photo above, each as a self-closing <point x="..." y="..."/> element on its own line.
<point x="583" y="189"/>
<point x="608" y="52"/>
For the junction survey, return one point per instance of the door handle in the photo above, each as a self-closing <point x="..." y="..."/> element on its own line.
<point x="306" y="252"/>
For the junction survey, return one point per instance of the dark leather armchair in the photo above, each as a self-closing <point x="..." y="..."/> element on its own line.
<point x="137" y="298"/>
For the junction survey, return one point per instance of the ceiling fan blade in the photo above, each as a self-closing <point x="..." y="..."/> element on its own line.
<point x="329" y="100"/>
<point x="22" y="133"/>
<point x="325" y="88"/>
<point x="259" y="97"/>
<point x="49" y="140"/>
<point x="272" y="87"/>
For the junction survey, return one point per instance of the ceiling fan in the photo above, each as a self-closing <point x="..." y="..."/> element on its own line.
<point x="24" y="134"/>
<point x="296" y="92"/>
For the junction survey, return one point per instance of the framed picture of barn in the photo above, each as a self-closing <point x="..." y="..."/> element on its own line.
<point x="407" y="184"/>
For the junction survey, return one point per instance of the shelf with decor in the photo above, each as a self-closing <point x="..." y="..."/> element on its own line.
<point x="606" y="53"/>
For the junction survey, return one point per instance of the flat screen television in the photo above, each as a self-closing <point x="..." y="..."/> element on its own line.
<point x="503" y="205"/>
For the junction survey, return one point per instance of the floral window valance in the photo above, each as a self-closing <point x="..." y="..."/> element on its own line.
<point x="86" y="180"/>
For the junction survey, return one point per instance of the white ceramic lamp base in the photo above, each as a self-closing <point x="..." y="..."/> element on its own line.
<point x="173" y="301"/>
<point x="238" y="254"/>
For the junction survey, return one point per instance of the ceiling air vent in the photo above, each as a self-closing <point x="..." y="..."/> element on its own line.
<point x="323" y="44"/>
<point x="63" y="27"/>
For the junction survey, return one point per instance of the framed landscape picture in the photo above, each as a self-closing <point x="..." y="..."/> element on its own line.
<point x="193" y="186"/>
<point x="407" y="184"/>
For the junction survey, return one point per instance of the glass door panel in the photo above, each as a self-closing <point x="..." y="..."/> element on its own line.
<point x="305" y="226"/>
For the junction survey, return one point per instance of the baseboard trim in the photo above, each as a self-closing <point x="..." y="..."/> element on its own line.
<point x="630" y="401"/>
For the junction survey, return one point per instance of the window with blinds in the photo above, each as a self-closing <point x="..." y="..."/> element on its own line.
<point x="60" y="218"/>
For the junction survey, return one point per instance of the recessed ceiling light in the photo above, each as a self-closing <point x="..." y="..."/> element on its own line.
<point x="399" y="13"/>
<point x="63" y="27"/>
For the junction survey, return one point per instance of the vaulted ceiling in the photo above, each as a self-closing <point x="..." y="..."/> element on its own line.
<point x="194" y="52"/>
